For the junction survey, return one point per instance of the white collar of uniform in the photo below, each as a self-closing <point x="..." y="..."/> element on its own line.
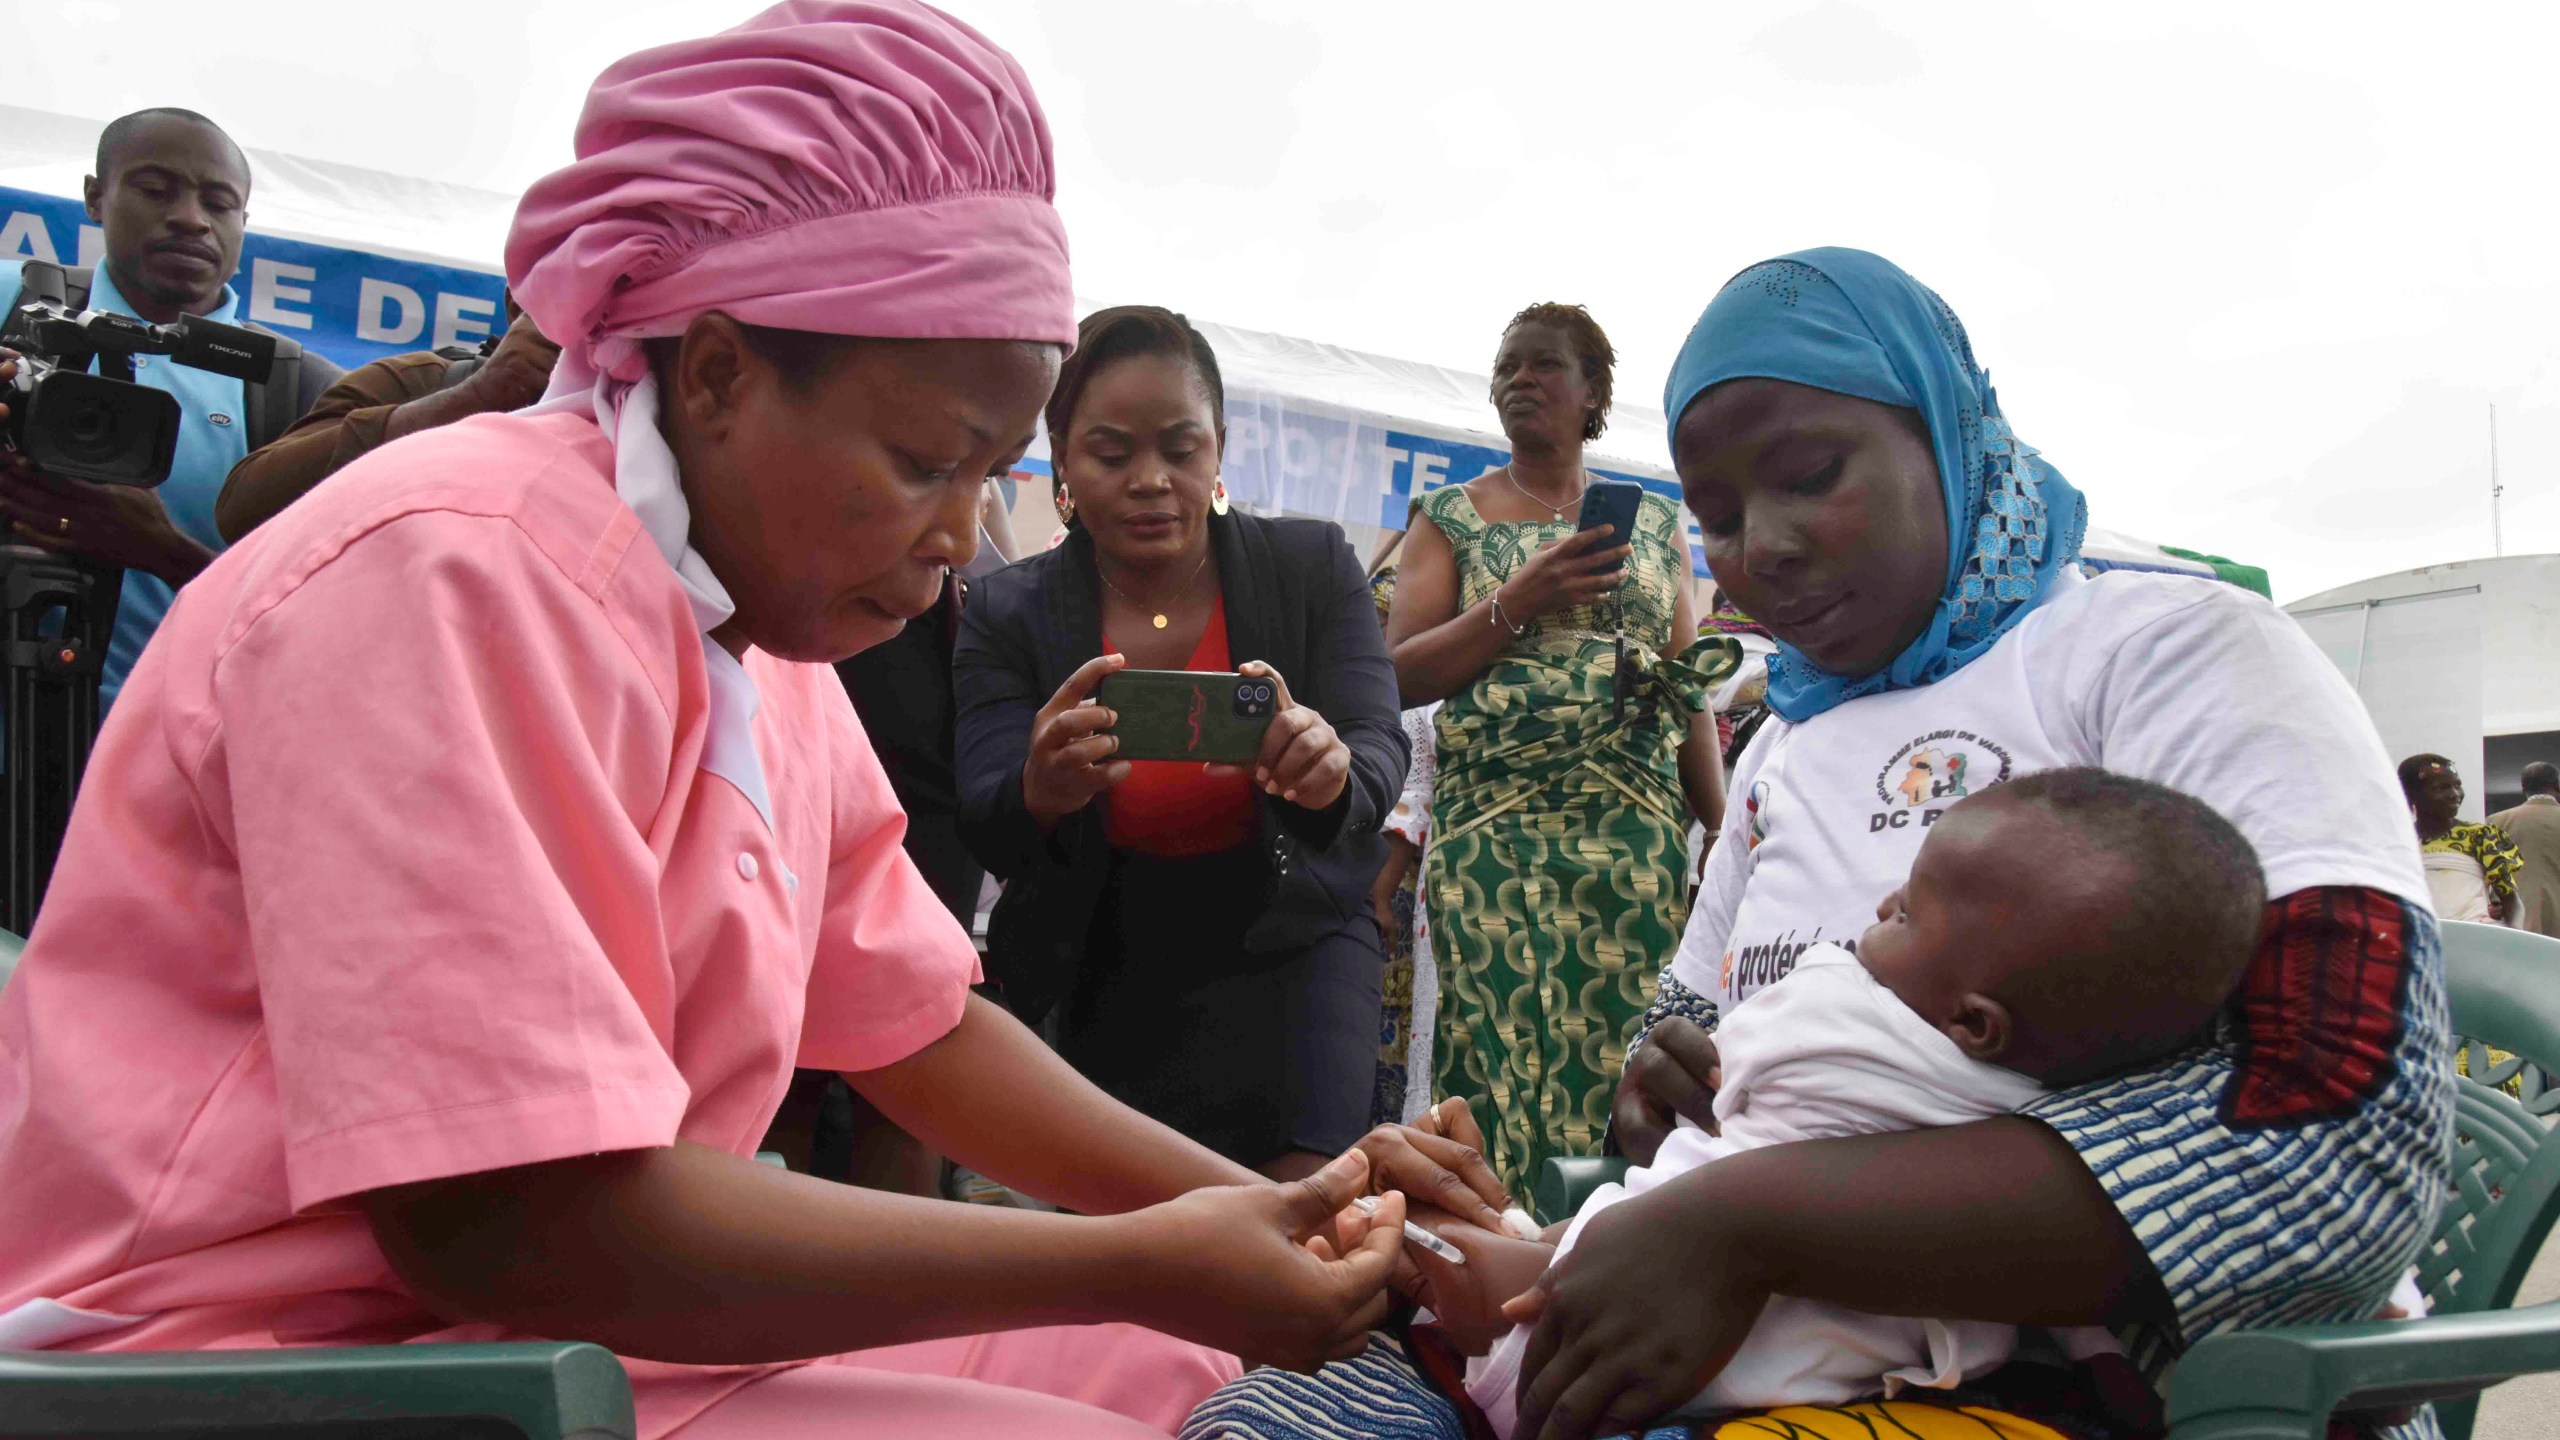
<point x="644" y="475"/>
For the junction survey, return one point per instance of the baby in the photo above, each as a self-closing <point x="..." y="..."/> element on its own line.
<point x="2065" y="926"/>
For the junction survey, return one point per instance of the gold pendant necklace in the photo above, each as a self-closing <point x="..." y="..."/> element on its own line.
<point x="1159" y="617"/>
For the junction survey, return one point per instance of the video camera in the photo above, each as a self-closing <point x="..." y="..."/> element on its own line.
<point x="105" y="427"/>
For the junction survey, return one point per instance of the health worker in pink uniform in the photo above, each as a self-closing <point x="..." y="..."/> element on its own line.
<point x="479" y="846"/>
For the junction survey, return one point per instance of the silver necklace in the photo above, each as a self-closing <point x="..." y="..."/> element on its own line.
<point x="1556" y="510"/>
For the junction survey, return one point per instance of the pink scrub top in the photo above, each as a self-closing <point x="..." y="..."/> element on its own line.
<point x="399" y="859"/>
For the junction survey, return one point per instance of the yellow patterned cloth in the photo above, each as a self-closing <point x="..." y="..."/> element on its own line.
<point x="2488" y="846"/>
<point x="1869" y="1419"/>
<point x="1557" y="872"/>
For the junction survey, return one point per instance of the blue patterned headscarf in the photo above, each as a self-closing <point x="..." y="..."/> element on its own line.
<point x="1855" y="324"/>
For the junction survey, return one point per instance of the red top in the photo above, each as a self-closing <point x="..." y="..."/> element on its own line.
<point x="1175" y="808"/>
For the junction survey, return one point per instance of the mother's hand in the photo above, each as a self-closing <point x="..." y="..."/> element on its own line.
<point x="1438" y="1161"/>
<point x="1652" y="1302"/>
<point x="1302" y="760"/>
<point x="1673" y="1075"/>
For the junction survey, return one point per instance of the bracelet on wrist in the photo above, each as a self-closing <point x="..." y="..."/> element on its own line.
<point x="1503" y="620"/>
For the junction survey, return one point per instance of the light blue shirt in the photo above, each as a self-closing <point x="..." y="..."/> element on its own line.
<point x="213" y="435"/>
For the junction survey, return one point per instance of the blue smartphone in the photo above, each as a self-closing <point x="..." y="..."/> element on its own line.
<point x="1612" y="503"/>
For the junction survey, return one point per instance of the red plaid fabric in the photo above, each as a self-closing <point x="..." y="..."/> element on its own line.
<point x="2321" y="1009"/>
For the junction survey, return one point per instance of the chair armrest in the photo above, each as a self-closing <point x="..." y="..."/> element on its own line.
<point x="2284" y="1383"/>
<point x="532" y="1391"/>
<point x="1566" y="1181"/>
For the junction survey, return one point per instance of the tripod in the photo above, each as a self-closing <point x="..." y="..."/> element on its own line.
<point x="51" y="687"/>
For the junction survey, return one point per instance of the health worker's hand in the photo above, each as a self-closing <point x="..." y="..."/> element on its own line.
<point x="1439" y="1161"/>
<point x="1247" y="1269"/>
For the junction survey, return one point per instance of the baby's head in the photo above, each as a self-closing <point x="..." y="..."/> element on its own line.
<point x="2071" y="923"/>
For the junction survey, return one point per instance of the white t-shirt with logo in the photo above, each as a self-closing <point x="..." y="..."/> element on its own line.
<point x="2191" y="683"/>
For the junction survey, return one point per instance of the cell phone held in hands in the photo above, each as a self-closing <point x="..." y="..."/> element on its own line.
<point x="1211" y="716"/>
<point x="1612" y="503"/>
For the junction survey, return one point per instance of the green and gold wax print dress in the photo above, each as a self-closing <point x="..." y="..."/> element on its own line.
<point x="1557" y="872"/>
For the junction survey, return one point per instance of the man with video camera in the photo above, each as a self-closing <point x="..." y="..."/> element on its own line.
<point x="171" y="193"/>
<point x="126" y="395"/>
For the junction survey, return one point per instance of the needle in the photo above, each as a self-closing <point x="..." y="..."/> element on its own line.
<point x="1415" y="1234"/>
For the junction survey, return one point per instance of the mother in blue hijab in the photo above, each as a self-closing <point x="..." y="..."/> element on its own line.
<point x="1861" y="493"/>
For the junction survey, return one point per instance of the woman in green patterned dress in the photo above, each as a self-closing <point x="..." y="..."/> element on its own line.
<point x="1556" y="877"/>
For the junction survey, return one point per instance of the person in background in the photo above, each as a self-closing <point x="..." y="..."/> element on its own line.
<point x="2534" y="829"/>
<point x="1204" y="932"/>
<point x="171" y="195"/>
<point x="2471" y="868"/>
<point x="1405" y="1066"/>
<point x="1412" y="988"/>
<point x="1556" y="878"/>
<point x="380" y="402"/>
<point x="1741" y="699"/>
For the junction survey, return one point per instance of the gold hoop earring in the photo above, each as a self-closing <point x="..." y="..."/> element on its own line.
<point x="1065" y="501"/>
<point x="1218" y="497"/>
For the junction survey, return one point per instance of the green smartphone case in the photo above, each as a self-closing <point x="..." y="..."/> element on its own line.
<point x="1203" y="715"/>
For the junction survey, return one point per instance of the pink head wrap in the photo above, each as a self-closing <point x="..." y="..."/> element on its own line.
<point x="873" y="168"/>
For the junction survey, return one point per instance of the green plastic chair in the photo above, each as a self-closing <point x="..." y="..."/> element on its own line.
<point x="2283" y="1383"/>
<point x="2286" y="1381"/>
<point x="388" y="1392"/>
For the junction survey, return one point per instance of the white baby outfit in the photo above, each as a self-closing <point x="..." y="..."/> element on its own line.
<point x="1823" y="1052"/>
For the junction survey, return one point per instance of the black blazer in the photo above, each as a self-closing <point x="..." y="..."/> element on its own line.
<point x="901" y="688"/>
<point x="1296" y="598"/>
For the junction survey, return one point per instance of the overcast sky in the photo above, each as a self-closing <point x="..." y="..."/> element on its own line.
<point x="2251" y="275"/>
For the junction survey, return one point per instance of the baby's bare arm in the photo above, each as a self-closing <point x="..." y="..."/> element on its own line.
<point x="1510" y="1265"/>
<point x="1467" y="1299"/>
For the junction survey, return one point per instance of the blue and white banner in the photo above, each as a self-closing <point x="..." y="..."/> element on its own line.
<point x="350" y="305"/>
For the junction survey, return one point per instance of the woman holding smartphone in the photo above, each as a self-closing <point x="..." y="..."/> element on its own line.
<point x="1573" y="751"/>
<point x="1203" y="932"/>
